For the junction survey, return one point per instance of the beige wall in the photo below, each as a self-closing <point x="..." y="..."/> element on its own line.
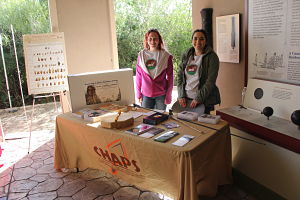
<point x="231" y="76"/>
<point x="89" y="28"/>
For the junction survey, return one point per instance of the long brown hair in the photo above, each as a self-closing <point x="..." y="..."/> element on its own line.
<point x="160" y="43"/>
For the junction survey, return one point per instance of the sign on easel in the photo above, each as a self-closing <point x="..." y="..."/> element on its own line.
<point x="46" y="64"/>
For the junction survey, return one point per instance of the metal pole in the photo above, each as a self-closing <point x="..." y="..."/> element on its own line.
<point x="7" y="86"/>
<point x="19" y="74"/>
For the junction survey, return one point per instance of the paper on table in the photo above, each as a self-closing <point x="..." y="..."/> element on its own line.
<point x="183" y="140"/>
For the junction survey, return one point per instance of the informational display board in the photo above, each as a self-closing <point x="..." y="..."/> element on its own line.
<point x="46" y="64"/>
<point x="282" y="97"/>
<point x="228" y="40"/>
<point x="274" y="40"/>
<point x="101" y="87"/>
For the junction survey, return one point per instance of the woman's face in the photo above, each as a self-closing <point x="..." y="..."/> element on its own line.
<point x="153" y="41"/>
<point x="199" y="41"/>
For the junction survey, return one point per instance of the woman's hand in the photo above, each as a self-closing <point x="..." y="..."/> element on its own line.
<point x="194" y="103"/>
<point x="182" y="102"/>
<point x="140" y="100"/>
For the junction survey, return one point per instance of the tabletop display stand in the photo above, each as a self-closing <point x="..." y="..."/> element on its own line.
<point x="274" y="161"/>
<point x="46" y="67"/>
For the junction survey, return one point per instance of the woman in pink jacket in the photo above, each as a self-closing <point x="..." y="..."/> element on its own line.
<point x="154" y="73"/>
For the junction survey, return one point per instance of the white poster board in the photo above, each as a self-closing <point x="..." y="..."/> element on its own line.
<point x="282" y="97"/>
<point x="228" y="40"/>
<point x="46" y="64"/>
<point x="101" y="87"/>
<point x="274" y="40"/>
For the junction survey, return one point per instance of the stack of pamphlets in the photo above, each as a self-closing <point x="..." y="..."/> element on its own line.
<point x="166" y="136"/>
<point x="80" y="113"/>
<point x="187" y="115"/>
<point x="153" y="131"/>
<point x="142" y="128"/>
<point x="183" y="140"/>
<point x="210" y="119"/>
<point x="94" y="115"/>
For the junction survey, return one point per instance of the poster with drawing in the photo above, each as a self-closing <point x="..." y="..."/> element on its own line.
<point x="274" y="40"/>
<point x="46" y="66"/>
<point x="102" y="91"/>
<point x="228" y="44"/>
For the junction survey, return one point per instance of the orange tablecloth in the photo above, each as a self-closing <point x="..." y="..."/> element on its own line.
<point x="178" y="172"/>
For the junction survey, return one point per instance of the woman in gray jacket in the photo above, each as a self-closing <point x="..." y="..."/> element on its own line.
<point x="196" y="77"/>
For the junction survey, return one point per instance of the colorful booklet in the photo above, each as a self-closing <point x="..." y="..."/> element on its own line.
<point x="183" y="140"/>
<point x="142" y="128"/>
<point x="166" y="136"/>
<point x="153" y="131"/>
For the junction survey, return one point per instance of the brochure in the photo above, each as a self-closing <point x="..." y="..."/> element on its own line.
<point x="166" y="136"/>
<point x="81" y="112"/>
<point x="187" y="115"/>
<point x="94" y="115"/>
<point x="153" y="131"/>
<point x="170" y="125"/>
<point x="183" y="140"/>
<point x="210" y="119"/>
<point x="139" y="129"/>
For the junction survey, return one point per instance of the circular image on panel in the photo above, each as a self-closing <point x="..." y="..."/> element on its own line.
<point x="258" y="93"/>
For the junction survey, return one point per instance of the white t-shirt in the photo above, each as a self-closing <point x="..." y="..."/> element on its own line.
<point x="192" y="76"/>
<point x="151" y="59"/>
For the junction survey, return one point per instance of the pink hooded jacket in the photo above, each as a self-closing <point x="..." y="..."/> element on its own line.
<point x="161" y="85"/>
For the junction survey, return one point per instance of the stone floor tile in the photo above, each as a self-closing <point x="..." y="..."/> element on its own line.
<point x="43" y="196"/>
<point x="70" y="177"/>
<point x="24" y="173"/>
<point x="106" y="197"/>
<point x="40" y="177"/>
<point x="5" y="180"/>
<point x="47" y="186"/>
<point x="127" y="193"/>
<point x="24" y="162"/>
<point x="58" y="174"/>
<point x="64" y="198"/>
<point x="149" y="196"/>
<point x="42" y="155"/>
<point x="37" y="164"/>
<point x="68" y="189"/>
<point x="46" y="169"/>
<point x="49" y="161"/>
<point x="123" y="183"/>
<point x="22" y="186"/>
<point x="90" y="174"/>
<point x="5" y="172"/>
<point x="95" y="188"/>
<point x="15" y="196"/>
<point x="3" y="191"/>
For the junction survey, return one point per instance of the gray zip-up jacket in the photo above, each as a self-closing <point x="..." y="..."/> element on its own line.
<point x="208" y="92"/>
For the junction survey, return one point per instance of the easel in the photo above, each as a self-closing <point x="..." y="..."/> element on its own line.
<point x="54" y="94"/>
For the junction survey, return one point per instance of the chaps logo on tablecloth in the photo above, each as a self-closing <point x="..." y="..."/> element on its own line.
<point x="115" y="154"/>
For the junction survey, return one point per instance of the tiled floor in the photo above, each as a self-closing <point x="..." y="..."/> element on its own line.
<point x="32" y="176"/>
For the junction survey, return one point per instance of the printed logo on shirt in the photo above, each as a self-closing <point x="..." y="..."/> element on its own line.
<point x="151" y="64"/>
<point x="191" y="69"/>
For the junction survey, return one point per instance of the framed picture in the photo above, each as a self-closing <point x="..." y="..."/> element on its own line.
<point x="228" y="38"/>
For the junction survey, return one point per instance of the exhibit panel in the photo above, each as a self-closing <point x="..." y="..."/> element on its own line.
<point x="46" y="63"/>
<point x="265" y="150"/>
<point x="101" y="87"/>
<point x="179" y="172"/>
